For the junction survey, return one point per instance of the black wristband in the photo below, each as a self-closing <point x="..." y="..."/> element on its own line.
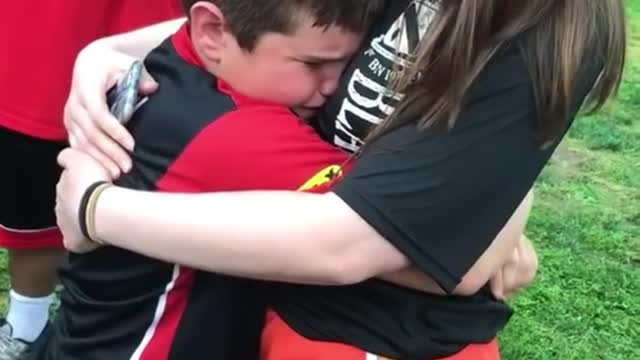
<point x="82" y="211"/>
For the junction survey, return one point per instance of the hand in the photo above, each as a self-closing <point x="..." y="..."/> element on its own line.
<point x="517" y="273"/>
<point x="92" y="129"/>
<point x="80" y="171"/>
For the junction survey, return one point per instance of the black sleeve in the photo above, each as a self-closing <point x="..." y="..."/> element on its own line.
<point x="441" y="198"/>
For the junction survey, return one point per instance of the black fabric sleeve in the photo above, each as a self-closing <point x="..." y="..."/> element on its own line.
<point x="441" y="198"/>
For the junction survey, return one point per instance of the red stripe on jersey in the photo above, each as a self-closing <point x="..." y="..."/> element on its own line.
<point x="159" y="337"/>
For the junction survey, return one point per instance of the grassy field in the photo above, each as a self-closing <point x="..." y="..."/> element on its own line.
<point x="585" y="303"/>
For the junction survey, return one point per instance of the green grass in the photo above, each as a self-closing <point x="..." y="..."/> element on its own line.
<point x="585" y="303"/>
<point x="4" y="281"/>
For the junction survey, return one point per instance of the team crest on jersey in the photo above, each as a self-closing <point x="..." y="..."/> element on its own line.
<point x="323" y="177"/>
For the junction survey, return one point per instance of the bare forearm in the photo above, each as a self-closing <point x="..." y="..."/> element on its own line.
<point x="139" y="43"/>
<point x="273" y="235"/>
<point x="268" y="235"/>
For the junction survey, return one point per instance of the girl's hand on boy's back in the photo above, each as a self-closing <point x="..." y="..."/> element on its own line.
<point x="518" y="272"/>
<point x="90" y="126"/>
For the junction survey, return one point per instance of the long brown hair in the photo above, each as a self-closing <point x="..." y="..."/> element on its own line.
<point x="558" y="36"/>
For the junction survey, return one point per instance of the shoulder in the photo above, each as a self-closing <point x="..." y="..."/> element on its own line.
<point x="507" y="70"/>
<point x="517" y="67"/>
<point x="258" y="125"/>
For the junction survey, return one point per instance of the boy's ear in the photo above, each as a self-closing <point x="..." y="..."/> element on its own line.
<point x="207" y="24"/>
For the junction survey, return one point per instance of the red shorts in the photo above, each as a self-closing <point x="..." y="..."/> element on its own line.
<point x="280" y="342"/>
<point x="30" y="240"/>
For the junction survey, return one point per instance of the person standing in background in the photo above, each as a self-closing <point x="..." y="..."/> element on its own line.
<point x="40" y="41"/>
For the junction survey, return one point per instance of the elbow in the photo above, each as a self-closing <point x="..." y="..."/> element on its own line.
<point x="325" y="266"/>
<point x="343" y="270"/>
<point x="349" y="252"/>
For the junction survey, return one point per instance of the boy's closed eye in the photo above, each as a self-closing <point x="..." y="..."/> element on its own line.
<point x="314" y="65"/>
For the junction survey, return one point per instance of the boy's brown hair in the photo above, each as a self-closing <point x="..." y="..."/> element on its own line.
<point x="247" y="20"/>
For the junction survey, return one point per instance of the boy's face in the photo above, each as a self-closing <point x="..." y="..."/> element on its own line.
<point x="300" y="70"/>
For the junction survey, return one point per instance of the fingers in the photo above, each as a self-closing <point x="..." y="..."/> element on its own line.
<point x="65" y="158"/>
<point x="103" y="149"/>
<point x="107" y="163"/>
<point x="80" y="142"/>
<point x="521" y="268"/>
<point x="89" y="123"/>
<point x="529" y="261"/>
<point x="497" y="285"/>
<point x="147" y="85"/>
<point x="69" y="157"/>
<point x="528" y="253"/>
<point x="112" y="128"/>
<point x="511" y="273"/>
<point x="148" y="88"/>
<point x="85" y="135"/>
<point x="96" y="109"/>
<point x="509" y="278"/>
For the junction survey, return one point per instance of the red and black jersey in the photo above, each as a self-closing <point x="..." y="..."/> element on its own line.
<point x="40" y="40"/>
<point x="195" y="135"/>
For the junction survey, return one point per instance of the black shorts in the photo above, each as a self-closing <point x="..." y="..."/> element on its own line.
<point x="27" y="190"/>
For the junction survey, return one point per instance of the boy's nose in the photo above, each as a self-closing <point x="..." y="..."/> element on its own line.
<point x="328" y="87"/>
